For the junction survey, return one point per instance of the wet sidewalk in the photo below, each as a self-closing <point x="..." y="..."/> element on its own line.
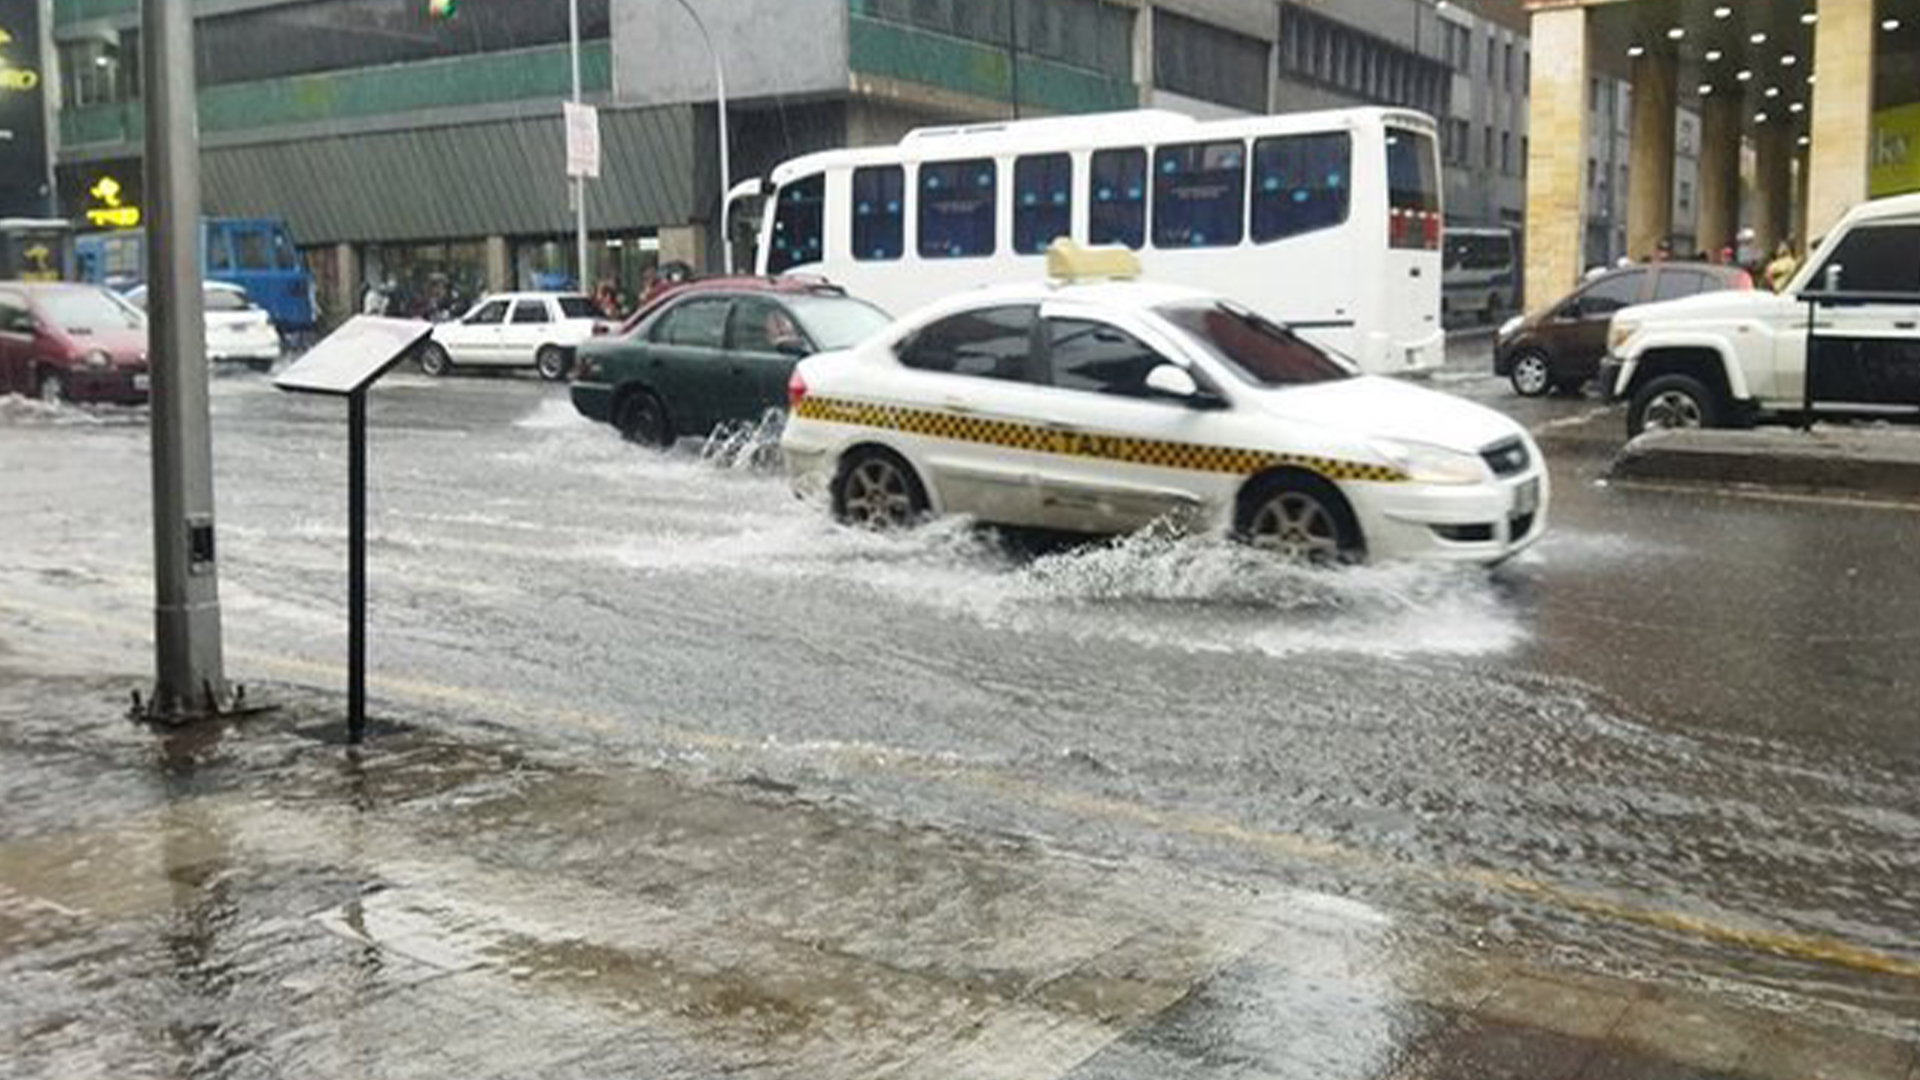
<point x="257" y="900"/>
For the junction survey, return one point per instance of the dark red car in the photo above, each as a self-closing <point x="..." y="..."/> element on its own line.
<point x="67" y="342"/>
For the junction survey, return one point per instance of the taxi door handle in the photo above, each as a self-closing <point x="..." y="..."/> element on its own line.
<point x="1057" y="425"/>
<point x="956" y="405"/>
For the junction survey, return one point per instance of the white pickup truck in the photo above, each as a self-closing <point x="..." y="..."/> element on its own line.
<point x="1727" y="359"/>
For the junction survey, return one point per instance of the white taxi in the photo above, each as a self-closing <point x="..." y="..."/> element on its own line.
<point x="1091" y="403"/>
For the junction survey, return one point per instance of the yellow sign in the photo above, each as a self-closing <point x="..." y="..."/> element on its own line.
<point x="39" y="264"/>
<point x="1893" y="157"/>
<point x="15" y="78"/>
<point x="112" y="213"/>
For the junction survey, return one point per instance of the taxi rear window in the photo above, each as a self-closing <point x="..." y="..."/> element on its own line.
<point x="1262" y="352"/>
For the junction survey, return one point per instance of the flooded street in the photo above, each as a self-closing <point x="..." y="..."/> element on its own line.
<point x="1674" y="741"/>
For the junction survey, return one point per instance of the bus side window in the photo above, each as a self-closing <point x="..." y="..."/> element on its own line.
<point x="1117" y="198"/>
<point x="957" y="208"/>
<point x="879" y="212"/>
<point x="1043" y="201"/>
<point x="1300" y="184"/>
<point x="798" y="224"/>
<point x="1199" y="194"/>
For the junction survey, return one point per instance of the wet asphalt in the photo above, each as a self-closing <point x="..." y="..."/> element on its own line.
<point x="1678" y="736"/>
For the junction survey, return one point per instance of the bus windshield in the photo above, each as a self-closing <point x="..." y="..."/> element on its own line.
<point x="1259" y="351"/>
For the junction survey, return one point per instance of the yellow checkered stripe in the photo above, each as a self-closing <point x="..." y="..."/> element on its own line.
<point x="1194" y="457"/>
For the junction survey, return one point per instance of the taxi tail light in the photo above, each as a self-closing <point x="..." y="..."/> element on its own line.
<point x="796" y="389"/>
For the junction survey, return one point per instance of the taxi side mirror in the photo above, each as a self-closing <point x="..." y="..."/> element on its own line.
<point x="1173" y="381"/>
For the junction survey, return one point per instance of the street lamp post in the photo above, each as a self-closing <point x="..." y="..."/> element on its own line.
<point x="579" y="182"/>
<point x="720" y="107"/>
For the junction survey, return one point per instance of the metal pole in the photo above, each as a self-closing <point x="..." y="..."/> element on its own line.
<point x="191" y="677"/>
<point x="356" y="566"/>
<point x="1013" y="55"/>
<point x="720" y="108"/>
<point x="579" y="182"/>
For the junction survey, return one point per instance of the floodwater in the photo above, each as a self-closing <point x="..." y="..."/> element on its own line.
<point x="1675" y="737"/>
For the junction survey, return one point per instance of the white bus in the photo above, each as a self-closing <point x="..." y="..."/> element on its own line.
<point x="1327" y="221"/>
<point x="1480" y="274"/>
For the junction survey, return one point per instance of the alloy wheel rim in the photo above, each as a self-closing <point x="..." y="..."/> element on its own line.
<point x="877" y="495"/>
<point x="1531" y="373"/>
<point x="550" y="364"/>
<point x="1673" y="411"/>
<point x="1298" y="526"/>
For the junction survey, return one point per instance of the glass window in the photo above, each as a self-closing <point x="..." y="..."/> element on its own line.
<point x="1042" y="201"/>
<point x="1300" y="183"/>
<point x="698" y="323"/>
<point x="15" y="318"/>
<point x="1413" y="189"/>
<point x="837" y="322"/>
<point x="87" y="311"/>
<point x="760" y="325"/>
<point x="1199" y="190"/>
<point x="1673" y="284"/>
<point x="491" y="313"/>
<point x="217" y="300"/>
<point x="285" y="256"/>
<point x="1261" y="352"/>
<point x="956" y="208"/>
<point x="798" y="224"/>
<point x="1117" y="200"/>
<point x="1612" y="293"/>
<point x="579" y="307"/>
<point x="879" y="212"/>
<point x="1093" y="356"/>
<point x="992" y="343"/>
<point x="252" y="250"/>
<point x="531" y="311"/>
<point x="1876" y="258"/>
<point x="219" y="255"/>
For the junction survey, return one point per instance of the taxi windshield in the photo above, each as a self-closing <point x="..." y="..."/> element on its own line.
<point x="1262" y="352"/>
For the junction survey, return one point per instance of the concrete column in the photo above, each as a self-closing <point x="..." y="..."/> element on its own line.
<point x="1650" y="154"/>
<point x="1842" y="111"/>
<point x="1143" y="52"/>
<point x="499" y="265"/>
<point x="1800" y="176"/>
<point x="346" y="283"/>
<point x="1719" y="182"/>
<point x="1773" y="186"/>
<point x="1557" y="152"/>
<point x="684" y="243"/>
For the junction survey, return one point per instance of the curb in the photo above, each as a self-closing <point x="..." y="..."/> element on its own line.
<point x="1873" y="462"/>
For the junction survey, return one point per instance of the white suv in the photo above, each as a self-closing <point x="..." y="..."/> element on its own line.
<point x="537" y="330"/>
<point x="1731" y="358"/>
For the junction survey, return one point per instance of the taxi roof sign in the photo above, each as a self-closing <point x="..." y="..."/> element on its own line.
<point x="1068" y="261"/>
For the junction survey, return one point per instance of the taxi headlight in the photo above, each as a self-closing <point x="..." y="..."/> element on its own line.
<point x="1427" y="464"/>
<point x="1507" y="328"/>
<point x="1617" y="334"/>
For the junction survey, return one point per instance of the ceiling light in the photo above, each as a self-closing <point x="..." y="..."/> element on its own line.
<point x="1789" y="60"/>
<point x="1743" y="74"/>
<point x="1677" y="33"/>
<point x="1809" y="78"/>
<point x="1705" y="89"/>
<point x="1773" y="91"/>
<point x="1714" y="55"/>
<point x="1805" y="140"/>
<point x="1797" y="107"/>
<point x="1758" y="37"/>
<point x="1889" y="25"/>
<point x="1809" y="19"/>
<point x="1722" y="12"/>
<point x="1759" y="118"/>
<point x="1636" y="51"/>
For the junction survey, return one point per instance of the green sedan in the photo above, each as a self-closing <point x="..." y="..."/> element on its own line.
<point x="711" y="352"/>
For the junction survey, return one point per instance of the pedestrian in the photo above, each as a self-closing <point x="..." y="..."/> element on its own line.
<point x="373" y="301"/>
<point x="1780" y="270"/>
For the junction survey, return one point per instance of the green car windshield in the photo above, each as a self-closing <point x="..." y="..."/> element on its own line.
<point x="837" y="322"/>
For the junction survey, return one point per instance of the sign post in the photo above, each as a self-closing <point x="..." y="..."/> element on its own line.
<point x="346" y="364"/>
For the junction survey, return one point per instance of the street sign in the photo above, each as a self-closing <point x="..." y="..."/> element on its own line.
<point x="345" y="364"/>
<point x="583" y="140"/>
<point x="352" y="357"/>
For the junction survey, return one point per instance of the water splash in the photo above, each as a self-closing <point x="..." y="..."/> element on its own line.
<point x="747" y="445"/>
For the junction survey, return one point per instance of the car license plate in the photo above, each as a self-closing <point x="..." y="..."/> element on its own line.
<point x="140" y="383"/>
<point x="1526" y="498"/>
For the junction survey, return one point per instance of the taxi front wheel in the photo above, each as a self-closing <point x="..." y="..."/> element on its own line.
<point x="1302" y="518"/>
<point x="876" y="489"/>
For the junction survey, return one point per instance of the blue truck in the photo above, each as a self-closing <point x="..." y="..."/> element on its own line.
<point x="256" y="254"/>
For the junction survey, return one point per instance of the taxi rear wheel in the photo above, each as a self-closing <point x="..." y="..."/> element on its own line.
<point x="1301" y="518"/>
<point x="877" y="489"/>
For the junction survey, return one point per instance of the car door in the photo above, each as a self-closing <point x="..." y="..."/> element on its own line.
<point x="526" y="329"/>
<point x="475" y="338"/>
<point x="764" y="341"/>
<point x="1581" y="328"/>
<point x="16" y="344"/>
<point x="1102" y="418"/>
<point x="973" y="423"/>
<point x="1865" y="352"/>
<point x="687" y="363"/>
